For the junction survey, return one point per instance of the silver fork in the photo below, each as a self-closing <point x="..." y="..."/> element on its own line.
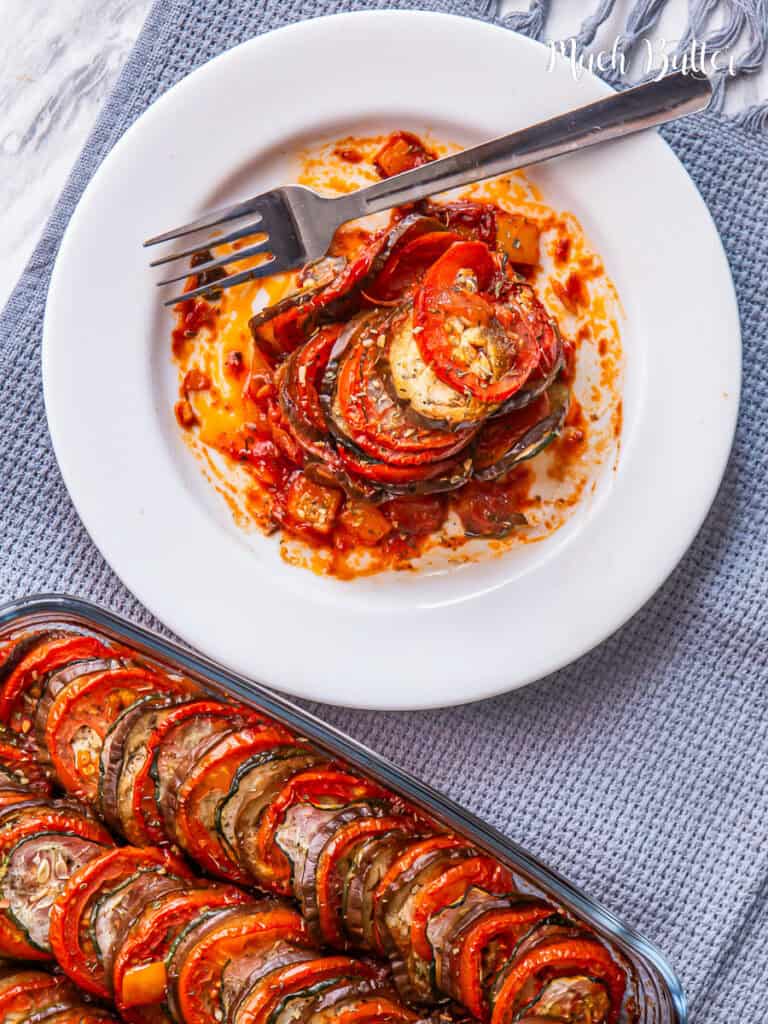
<point x="298" y="224"/>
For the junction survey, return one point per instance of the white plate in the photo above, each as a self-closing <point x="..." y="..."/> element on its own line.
<point x="397" y="640"/>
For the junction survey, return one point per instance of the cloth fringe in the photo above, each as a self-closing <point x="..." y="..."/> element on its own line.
<point x="531" y="22"/>
<point x="723" y="25"/>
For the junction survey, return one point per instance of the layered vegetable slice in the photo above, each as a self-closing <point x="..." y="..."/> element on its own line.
<point x="34" y="871"/>
<point x="314" y="793"/>
<point x="164" y="760"/>
<point x="258" y="779"/>
<point x="139" y="974"/>
<point x="215" y="958"/>
<point x="123" y="744"/>
<point x="29" y="820"/>
<point x="573" y="977"/>
<point x="25" y="684"/>
<point x="474" y="937"/>
<point x="25" y="993"/>
<point x="248" y="800"/>
<point x="208" y="785"/>
<point x="72" y="924"/>
<point x="287" y="324"/>
<point x="82" y="713"/>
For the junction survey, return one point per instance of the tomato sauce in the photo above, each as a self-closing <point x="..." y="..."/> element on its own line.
<point x="229" y="414"/>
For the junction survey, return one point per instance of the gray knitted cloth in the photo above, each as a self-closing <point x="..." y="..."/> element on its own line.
<point x="641" y="771"/>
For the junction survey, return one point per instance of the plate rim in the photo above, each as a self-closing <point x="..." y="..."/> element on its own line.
<point x="577" y="650"/>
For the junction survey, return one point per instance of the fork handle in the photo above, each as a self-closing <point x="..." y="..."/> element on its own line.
<point x="621" y="114"/>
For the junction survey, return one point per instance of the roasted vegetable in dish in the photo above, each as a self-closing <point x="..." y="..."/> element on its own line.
<point x="361" y="909"/>
<point x="416" y="361"/>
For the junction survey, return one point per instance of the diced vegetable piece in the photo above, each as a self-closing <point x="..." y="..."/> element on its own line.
<point x="415" y="516"/>
<point x="144" y="984"/>
<point x="518" y="238"/>
<point x="363" y="523"/>
<point x="486" y="511"/>
<point x="401" y="152"/>
<point x="312" y="505"/>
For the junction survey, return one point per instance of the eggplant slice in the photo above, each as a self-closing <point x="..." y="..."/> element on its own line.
<point x="36" y="869"/>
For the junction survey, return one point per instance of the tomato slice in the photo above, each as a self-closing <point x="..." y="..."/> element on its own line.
<point x="10" y="795"/>
<point x="569" y="956"/>
<point x="375" y="1010"/>
<point x="197" y="982"/>
<point x="82" y="713"/>
<point x="326" y="876"/>
<point x="325" y="786"/>
<point x="408" y="263"/>
<point x="22" y="688"/>
<point x="306" y="368"/>
<point x="466" y="956"/>
<point x="400" y="476"/>
<point x="378" y="424"/>
<point x="20" y="760"/>
<point x="406" y="859"/>
<point x="258" y="1005"/>
<point x="27" y="820"/>
<point x="70" y="934"/>
<point x="137" y="981"/>
<point x="28" y="992"/>
<point x="497" y="359"/>
<point x="208" y="784"/>
<point x="81" y="1014"/>
<point x="147" y="816"/>
<point x="450" y="886"/>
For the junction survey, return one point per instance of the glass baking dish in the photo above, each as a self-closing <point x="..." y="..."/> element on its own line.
<point x="655" y="994"/>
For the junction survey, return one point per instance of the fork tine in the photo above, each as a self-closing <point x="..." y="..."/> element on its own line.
<point x="211" y="219"/>
<point x="263" y="270"/>
<point x="233" y="236"/>
<point x="222" y="261"/>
